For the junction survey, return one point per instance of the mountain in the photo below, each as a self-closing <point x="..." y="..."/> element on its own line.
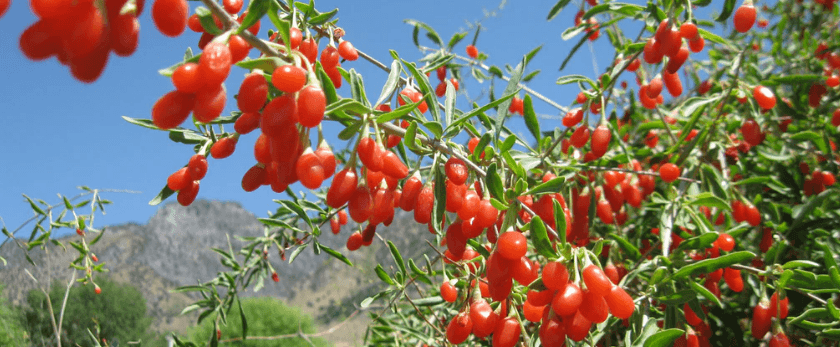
<point x="174" y="249"/>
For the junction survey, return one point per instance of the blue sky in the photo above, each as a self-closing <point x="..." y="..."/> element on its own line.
<point x="60" y="133"/>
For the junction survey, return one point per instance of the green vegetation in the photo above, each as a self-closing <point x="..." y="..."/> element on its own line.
<point x="119" y="311"/>
<point x="266" y="317"/>
<point x="12" y="332"/>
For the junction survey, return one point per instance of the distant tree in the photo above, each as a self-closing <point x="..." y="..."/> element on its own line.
<point x="12" y="332"/>
<point x="119" y="311"/>
<point x="266" y="317"/>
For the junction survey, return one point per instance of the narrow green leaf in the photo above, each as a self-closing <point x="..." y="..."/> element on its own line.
<point x="555" y="10"/>
<point x="705" y="293"/>
<point x="664" y="338"/>
<point x="559" y="222"/>
<point x="728" y="6"/>
<point x="291" y="205"/>
<point x="432" y="33"/>
<point x="397" y="257"/>
<point x="494" y="182"/>
<point x="629" y="249"/>
<point x="256" y="10"/>
<point x="709" y="265"/>
<point x="512" y="86"/>
<point x="449" y="102"/>
<point x="163" y="195"/>
<point x="391" y="83"/>
<point x="709" y="200"/>
<point x="457" y="37"/>
<point x="336" y="254"/>
<point x="207" y="21"/>
<point x="383" y="275"/>
<point x="539" y="236"/>
<point x="323" y="17"/>
<point x="531" y="118"/>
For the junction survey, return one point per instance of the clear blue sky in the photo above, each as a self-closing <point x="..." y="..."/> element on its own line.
<point x="60" y="133"/>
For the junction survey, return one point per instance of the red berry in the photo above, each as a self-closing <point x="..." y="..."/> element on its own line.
<point x="392" y="165"/>
<point x="347" y="51"/>
<point x="448" y="292"/>
<point x="311" y="106"/>
<point x="279" y="117"/>
<point x="232" y="6"/>
<point x="596" y="280"/>
<point x="329" y="57"/>
<point x="744" y="17"/>
<point x="309" y="169"/>
<point x="197" y="166"/>
<point x="779" y="340"/>
<point x="96" y="289"/>
<point x="186" y="78"/>
<point x="275" y="277"/>
<point x="567" y="301"/>
<point x="726" y="242"/>
<point x="512" y="245"/>
<point x="595" y="309"/>
<point x="459" y="328"/>
<point x="194" y="23"/>
<point x="601" y="140"/>
<point x="361" y="204"/>
<point x="761" y="320"/>
<point x="764" y="97"/>
<point x="309" y="48"/>
<point x="288" y="78"/>
<point x="580" y="136"/>
<point x="209" y="103"/>
<point x="456" y="170"/>
<point x="125" y="32"/>
<point x="354" y="242"/>
<point x="472" y="51"/>
<point x="179" y="179"/>
<point x="172" y="109"/>
<point x="342" y="188"/>
<point x="423" y="206"/>
<point x="239" y="48"/>
<point x="507" y="332"/>
<point x="170" y="16"/>
<point x="669" y="172"/>
<point x="620" y="303"/>
<point x="555" y="276"/>
<point x="214" y="64"/>
<point x="187" y="195"/>
<point x="778" y="308"/>
<point x="733" y="279"/>
<point x="254" y="178"/>
<point x="688" y="30"/>
<point x="224" y="147"/>
<point x="253" y="93"/>
<point x="327" y="157"/>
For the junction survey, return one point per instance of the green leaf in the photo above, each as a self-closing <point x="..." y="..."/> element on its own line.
<point x="426" y="89"/>
<point x="348" y="105"/>
<point x="457" y="37"/>
<point x="539" y="236"/>
<point x="34" y="206"/>
<point x="163" y="195"/>
<point x="555" y="10"/>
<point x="391" y="83"/>
<point x="705" y="293"/>
<point x="709" y="36"/>
<point x="699" y="242"/>
<point x="336" y="254"/>
<point x="552" y="186"/>
<point x="531" y="54"/>
<point x="560" y="222"/>
<point x="728" y="6"/>
<point x="568" y="79"/>
<point x="618" y="8"/>
<point x="294" y="207"/>
<point x="439" y="206"/>
<point x="709" y="265"/>
<point x="531" y="118"/>
<point x="432" y="34"/>
<point x="575" y="48"/>
<point x="397" y="257"/>
<point x="244" y="321"/>
<point x="813" y="137"/>
<point x="256" y="10"/>
<point x="323" y="17"/>
<point x="799" y="263"/>
<point x="146" y="123"/>
<point x="449" y="103"/>
<point x="472" y="113"/>
<point x="398" y="113"/>
<point x="369" y="300"/>
<point x="796" y="79"/>
<point x="383" y="275"/>
<point x="709" y="200"/>
<point x="664" y="338"/>
<point x="630" y="250"/>
<point x="207" y="22"/>
<point x="494" y="182"/>
<point x="512" y="87"/>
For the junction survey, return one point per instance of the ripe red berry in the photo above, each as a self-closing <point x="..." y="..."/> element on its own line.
<point x="555" y="276"/>
<point x="347" y="51"/>
<point x="595" y="309"/>
<point x="311" y="105"/>
<point x="580" y="136"/>
<point x="342" y="188"/>
<point x="459" y="328"/>
<point x="596" y="280"/>
<point x="239" y="48"/>
<point x="209" y="103"/>
<point x="448" y="292"/>
<point x="309" y="48"/>
<point x="744" y="17"/>
<point x="309" y="169"/>
<point x="764" y="97"/>
<point x="354" y="242"/>
<point x="224" y="147"/>
<point x="512" y="245"/>
<point x="620" y="303"/>
<point x="483" y="317"/>
<point x="456" y="170"/>
<point x="472" y="51"/>
<point x="567" y="301"/>
<point x="507" y="332"/>
<point x="254" y="178"/>
<point x="360" y="204"/>
<point x="170" y="16"/>
<point x="96" y="289"/>
<point x="688" y="30"/>
<point x="295" y="38"/>
<point x="187" y="195"/>
<point x="288" y="78"/>
<point x="761" y="320"/>
<point x="179" y="179"/>
<point x="232" y="6"/>
<point x="214" y="64"/>
<point x="197" y="166"/>
<point x="601" y="140"/>
<point x="329" y="57"/>
<point x="275" y="277"/>
<point x="733" y="279"/>
<point x="669" y="172"/>
<point x="423" y="207"/>
<point x="172" y="109"/>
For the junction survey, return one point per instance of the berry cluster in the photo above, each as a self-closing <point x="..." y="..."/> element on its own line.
<point x="81" y="34"/>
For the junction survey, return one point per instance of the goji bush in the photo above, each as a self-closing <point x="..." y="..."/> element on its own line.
<point x="697" y="207"/>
